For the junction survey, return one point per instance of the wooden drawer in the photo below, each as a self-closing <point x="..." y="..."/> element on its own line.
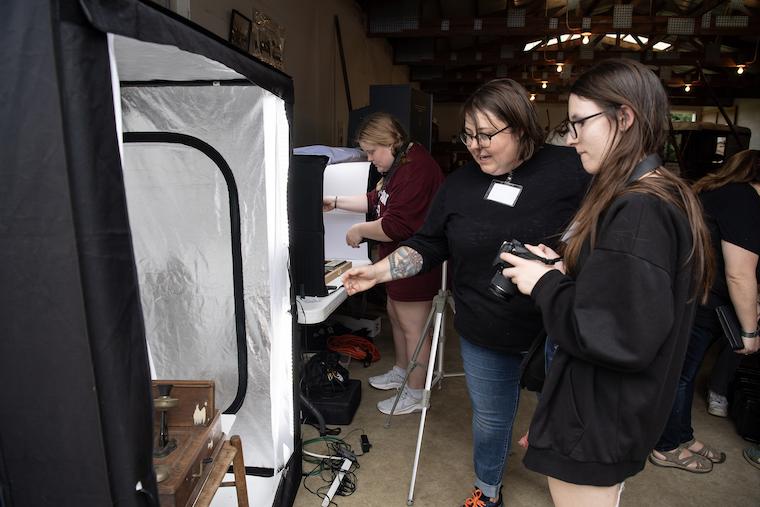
<point x="190" y="462"/>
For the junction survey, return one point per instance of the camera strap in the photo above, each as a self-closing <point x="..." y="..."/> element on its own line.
<point x="649" y="164"/>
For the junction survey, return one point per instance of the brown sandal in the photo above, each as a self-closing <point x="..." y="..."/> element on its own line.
<point x="706" y="451"/>
<point x="672" y="460"/>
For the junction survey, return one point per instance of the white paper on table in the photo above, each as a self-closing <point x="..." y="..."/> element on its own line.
<point x="344" y="179"/>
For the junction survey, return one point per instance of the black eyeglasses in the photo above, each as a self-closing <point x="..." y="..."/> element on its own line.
<point x="484" y="140"/>
<point x="571" y="126"/>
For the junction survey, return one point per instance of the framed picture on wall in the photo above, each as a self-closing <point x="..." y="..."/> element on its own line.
<point x="240" y="30"/>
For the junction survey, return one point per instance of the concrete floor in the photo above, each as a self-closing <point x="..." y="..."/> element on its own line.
<point x="445" y="475"/>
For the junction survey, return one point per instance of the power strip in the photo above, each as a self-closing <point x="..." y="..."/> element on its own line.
<point x="336" y="483"/>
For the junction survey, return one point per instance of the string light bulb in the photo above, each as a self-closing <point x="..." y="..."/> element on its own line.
<point x="740" y="70"/>
<point x="559" y="67"/>
<point x="687" y="88"/>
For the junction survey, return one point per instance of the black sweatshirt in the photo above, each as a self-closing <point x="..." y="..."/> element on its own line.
<point x="622" y="326"/>
<point x="467" y="229"/>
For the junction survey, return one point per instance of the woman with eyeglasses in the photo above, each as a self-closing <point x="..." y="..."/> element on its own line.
<point x="516" y="188"/>
<point x="621" y="305"/>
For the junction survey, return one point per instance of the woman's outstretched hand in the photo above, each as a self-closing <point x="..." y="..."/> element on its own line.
<point x="526" y="272"/>
<point x="359" y="279"/>
<point x="328" y="203"/>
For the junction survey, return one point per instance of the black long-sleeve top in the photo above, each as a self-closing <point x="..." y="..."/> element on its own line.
<point x="622" y="324"/>
<point x="465" y="228"/>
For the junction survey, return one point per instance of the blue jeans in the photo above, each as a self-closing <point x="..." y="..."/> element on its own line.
<point x="549" y="350"/>
<point x="678" y="429"/>
<point x="493" y="382"/>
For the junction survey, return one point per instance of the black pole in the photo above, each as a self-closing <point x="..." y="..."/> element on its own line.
<point x="720" y="108"/>
<point x="343" y="64"/>
<point x="676" y="148"/>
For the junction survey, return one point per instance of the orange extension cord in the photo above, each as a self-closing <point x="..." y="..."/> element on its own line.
<point x="356" y="347"/>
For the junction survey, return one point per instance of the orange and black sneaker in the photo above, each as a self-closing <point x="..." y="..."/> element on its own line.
<point x="478" y="499"/>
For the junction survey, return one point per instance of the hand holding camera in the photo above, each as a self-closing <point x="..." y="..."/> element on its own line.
<point x="518" y="267"/>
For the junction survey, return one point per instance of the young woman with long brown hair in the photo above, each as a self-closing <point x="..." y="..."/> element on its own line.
<point x="636" y="262"/>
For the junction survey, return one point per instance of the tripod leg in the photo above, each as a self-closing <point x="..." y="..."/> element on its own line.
<point x="439" y="372"/>
<point x="412" y="362"/>
<point x="426" y="397"/>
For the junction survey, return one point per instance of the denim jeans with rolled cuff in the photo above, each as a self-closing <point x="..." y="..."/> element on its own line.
<point x="493" y="382"/>
<point x="678" y="429"/>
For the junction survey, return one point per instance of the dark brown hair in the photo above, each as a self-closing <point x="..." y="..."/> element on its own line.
<point x="508" y="101"/>
<point x="742" y="167"/>
<point x="611" y="84"/>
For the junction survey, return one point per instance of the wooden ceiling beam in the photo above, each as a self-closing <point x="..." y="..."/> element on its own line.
<point x="527" y="77"/>
<point x="539" y="26"/>
<point x="704" y="7"/>
<point x="549" y="57"/>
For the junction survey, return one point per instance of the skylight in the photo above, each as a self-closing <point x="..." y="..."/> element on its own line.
<point x="610" y="38"/>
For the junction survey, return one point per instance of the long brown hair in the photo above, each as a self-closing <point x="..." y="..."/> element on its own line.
<point x="508" y="101"/>
<point x="611" y="84"/>
<point x="742" y="167"/>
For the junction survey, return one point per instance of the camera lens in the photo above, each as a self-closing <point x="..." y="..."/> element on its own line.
<point x="501" y="287"/>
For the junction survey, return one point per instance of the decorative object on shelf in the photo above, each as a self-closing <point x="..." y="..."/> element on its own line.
<point x="268" y="40"/>
<point x="240" y="30"/>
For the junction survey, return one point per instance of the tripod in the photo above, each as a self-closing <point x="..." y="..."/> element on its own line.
<point x="435" y="374"/>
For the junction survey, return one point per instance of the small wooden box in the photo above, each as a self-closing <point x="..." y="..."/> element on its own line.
<point x="335" y="268"/>
<point x="190" y="463"/>
<point x="196" y="402"/>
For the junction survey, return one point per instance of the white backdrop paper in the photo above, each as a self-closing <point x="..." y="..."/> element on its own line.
<point x="344" y="179"/>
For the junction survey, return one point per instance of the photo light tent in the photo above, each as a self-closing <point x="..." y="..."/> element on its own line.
<point x="143" y="230"/>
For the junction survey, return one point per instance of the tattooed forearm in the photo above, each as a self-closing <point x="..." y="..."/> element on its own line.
<point x="404" y="262"/>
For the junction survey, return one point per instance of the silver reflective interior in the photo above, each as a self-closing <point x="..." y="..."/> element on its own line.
<point x="179" y="212"/>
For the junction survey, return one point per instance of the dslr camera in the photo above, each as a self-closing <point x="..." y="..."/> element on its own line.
<point x="500" y="286"/>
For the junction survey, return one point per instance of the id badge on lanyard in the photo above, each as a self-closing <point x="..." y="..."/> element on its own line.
<point x="382" y="199"/>
<point x="503" y="192"/>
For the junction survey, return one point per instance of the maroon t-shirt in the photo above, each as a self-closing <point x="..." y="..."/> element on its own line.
<point x="409" y="193"/>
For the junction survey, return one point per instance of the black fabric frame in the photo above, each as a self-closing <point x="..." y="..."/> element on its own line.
<point x="307" y="230"/>
<point x="76" y="422"/>
<point x="237" y="256"/>
<point x="145" y="21"/>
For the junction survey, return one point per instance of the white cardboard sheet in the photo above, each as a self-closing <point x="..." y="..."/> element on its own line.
<point x="344" y="179"/>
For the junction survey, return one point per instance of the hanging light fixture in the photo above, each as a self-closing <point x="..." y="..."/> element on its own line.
<point x="559" y="67"/>
<point x="740" y="70"/>
<point x="687" y="88"/>
<point x="532" y="97"/>
<point x="543" y="85"/>
<point x="585" y="39"/>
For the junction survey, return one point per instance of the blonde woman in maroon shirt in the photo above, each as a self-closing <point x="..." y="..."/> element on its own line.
<point x="398" y="206"/>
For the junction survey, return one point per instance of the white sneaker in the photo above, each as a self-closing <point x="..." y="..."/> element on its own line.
<point x="407" y="404"/>
<point x="389" y="380"/>
<point x="717" y="405"/>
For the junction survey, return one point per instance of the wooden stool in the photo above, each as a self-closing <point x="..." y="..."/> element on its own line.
<point x="231" y="453"/>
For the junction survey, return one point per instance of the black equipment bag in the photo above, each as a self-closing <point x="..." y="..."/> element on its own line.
<point x="324" y="375"/>
<point x="744" y="398"/>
